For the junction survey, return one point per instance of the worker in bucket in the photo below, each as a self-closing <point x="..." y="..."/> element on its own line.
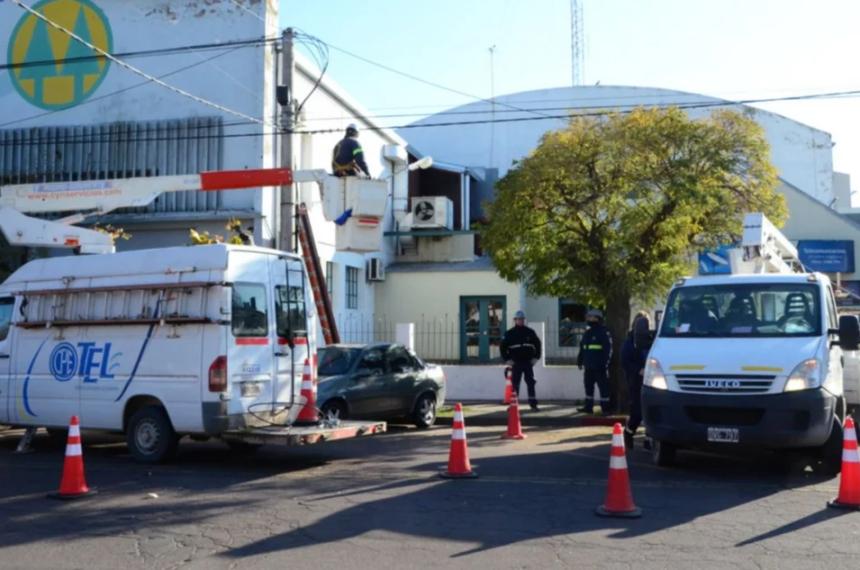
<point x="521" y="349"/>
<point x="634" y="353"/>
<point x="348" y="156"/>
<point x="595" y="352"/>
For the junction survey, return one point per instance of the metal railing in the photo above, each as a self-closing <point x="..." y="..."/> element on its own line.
<point x="440" y="340"/>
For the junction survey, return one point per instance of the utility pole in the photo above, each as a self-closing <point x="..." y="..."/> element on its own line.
<point x="577" y="42"/>
<point x="286" y="99"/>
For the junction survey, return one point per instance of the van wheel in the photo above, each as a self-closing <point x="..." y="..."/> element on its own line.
<point x="662" y="453"/>
<point x="424" y="415"/>
<point x="150" y="435"/>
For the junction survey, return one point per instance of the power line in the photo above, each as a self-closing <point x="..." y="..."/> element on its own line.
<point x="596" y="113"/>
<point x="140" y="72"/>
<point x="120" y="91"/>
<point x="177" y="50"/>
<point x="422" y="80"/>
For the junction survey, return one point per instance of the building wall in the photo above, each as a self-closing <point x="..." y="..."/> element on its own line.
<point x="240" y="79"/>
<point x="811" y="220"/>
<point x="801" y="154"/>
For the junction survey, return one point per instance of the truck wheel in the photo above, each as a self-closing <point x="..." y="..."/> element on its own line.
<point x="150" y="435"/>
<point x="662" y="453"/>
<point x="831" y="452"/>
<point x="424" y="415"/>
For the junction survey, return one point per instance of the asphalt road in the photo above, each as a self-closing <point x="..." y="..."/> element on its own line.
<point x="377" y="503"/>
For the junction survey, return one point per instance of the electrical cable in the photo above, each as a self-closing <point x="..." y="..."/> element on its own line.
<point x="137" y="71"/>
<point x="124" y="90"/>
<point x="177" y="50"/>
<point x="597" y="113"/>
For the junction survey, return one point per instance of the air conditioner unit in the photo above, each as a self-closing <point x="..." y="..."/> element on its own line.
<point x="375" y="269"/>
<point x="432" y="212"/>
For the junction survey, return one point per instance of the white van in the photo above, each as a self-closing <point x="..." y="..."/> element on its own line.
<point x="748" y="360"/>
<point x="207" y="340"/>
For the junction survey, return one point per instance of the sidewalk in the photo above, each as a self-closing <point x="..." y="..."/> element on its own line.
<point x="551" y="414"/>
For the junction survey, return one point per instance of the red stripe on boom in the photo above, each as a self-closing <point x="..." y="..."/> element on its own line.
<point x="232" y="179"/>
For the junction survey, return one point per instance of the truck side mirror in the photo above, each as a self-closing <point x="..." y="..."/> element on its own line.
<point x="849" y="332"/>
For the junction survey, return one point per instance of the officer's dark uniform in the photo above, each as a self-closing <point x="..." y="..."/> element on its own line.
<point x="348" y="158"/>
<point x="633" y="361"/>
<point x="595" y="352"/>
<point x="521" y="345"/>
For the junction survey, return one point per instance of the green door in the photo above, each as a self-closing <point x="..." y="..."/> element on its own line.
<point x="482" y="324"/>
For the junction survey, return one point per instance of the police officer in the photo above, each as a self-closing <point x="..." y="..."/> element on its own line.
<point x="521" y="347"/>
<point x="634" y="353"/>
<point x="595" y="352"/>
<point x="348" y="156"/>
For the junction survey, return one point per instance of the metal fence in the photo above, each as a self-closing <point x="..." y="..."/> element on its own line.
<point x="118" y="150"/>
<point x="440" y="340"/>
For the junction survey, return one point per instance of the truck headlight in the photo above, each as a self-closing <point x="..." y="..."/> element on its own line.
<point x="654" y="376"/>
<point x="804" y="376"/>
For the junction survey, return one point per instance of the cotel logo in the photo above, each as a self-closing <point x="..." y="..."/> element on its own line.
<point x="88" y="360"/>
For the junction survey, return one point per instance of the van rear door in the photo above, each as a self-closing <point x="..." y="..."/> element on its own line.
<point x="289" y="289"/>
<point x="251" y="339"/>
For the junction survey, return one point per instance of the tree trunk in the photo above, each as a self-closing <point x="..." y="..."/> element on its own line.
<point x="618" y="323"/>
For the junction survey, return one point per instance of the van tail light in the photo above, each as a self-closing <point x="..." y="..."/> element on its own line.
<point x="218" y="374"/>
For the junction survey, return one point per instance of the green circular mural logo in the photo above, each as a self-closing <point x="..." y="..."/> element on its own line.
<point x="46" y="65"/>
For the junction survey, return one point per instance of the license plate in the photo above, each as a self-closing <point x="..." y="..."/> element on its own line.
<point x="723" y="435"/>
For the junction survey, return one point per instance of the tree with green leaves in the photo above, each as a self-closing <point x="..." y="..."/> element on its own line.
<point x="612" y="209"/>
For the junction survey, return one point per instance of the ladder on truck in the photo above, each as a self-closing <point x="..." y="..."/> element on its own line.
<point x="156" y="303"/>
<point x="764" y="249"/>
<point x="316" y="276"/>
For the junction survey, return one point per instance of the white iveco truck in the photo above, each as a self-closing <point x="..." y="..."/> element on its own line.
<point x="751" y="359"/>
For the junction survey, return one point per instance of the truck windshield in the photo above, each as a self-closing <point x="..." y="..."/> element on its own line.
<point x="743" y="310"/>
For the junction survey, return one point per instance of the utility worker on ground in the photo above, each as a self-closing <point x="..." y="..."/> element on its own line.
<point x="633" y="357"/>
<point x="595" y="352"/>
<point x="348" y="157"/>
<point x="521" y="348"/>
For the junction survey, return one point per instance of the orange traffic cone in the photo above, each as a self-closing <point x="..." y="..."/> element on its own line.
<point x="619" y="501"/>
<point x="309" y="414"/>
<point x="458" y="458"/>
<point x="515" y="429"/>
<point x="849" y="479"/>
<point x="73" y="485"/>
<point x="509" y="385"/>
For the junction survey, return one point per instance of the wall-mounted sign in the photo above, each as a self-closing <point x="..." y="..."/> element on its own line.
<point x="827" y="256"/>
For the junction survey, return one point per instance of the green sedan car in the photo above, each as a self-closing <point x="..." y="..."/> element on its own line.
<point x="378" y="381"/>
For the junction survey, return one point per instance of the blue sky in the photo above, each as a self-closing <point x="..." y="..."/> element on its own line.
<point x="730" y="48"/>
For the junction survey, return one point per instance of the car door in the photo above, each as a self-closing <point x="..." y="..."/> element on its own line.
<point x="370" y="385"/>
<point x="6" y="400"/>
<point x="403" y="378"/>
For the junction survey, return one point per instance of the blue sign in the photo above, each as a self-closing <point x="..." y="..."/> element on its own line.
<point x="715" y="261"/>
<point x="88" y="360"/>
<point x="827" y="256"/>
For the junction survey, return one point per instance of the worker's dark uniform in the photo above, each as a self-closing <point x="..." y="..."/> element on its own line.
<point x="521" y="345"/>
<point x="633" y="362"/>
<point x="595" y="352"/>
<point x="348" y="158"/>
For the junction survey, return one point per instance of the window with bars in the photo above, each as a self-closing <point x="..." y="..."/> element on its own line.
<point x="352" y="287"/>
<point x="118" y="150"/>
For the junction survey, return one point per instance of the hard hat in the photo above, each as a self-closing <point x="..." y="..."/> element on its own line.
<point x="352" y="127"/>
<point x="519" y="315"/>
<point x="596" y="313"/>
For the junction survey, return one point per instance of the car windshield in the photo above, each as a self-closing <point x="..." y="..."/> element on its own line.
<point x="334" y="360"/>
<point x="743" y="310"/>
